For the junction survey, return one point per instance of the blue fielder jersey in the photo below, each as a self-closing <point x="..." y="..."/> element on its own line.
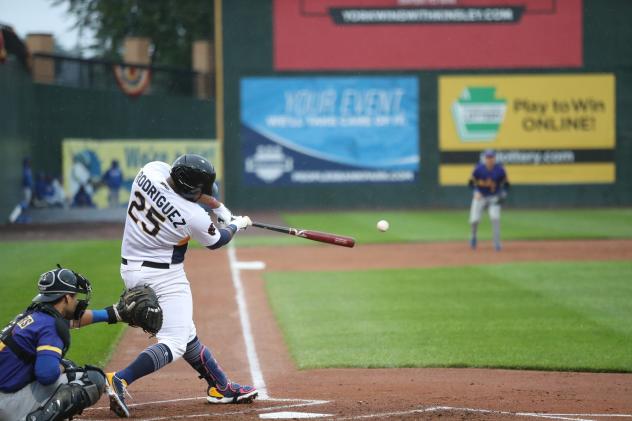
<point x="37" y="335"/>
<point x="488" y="182"/>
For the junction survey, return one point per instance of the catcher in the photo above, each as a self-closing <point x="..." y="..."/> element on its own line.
<point x="490" y="184"/>
<point x="36" y="381"/>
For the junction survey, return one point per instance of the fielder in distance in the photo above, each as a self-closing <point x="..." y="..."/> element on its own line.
<point x="490" y="185"/>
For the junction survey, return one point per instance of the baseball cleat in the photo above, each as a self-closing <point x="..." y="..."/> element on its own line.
<point x="233" y="393"/>
<point x="116" y="389"/>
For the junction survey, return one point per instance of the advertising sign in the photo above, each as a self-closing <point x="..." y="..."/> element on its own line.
<point x="546" y="128"/>
<point x="309" y="130"/>
<point x="86" y="161"/>
<point x="427" y="34"/>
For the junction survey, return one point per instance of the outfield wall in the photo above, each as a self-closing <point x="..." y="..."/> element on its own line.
<point x="37" y="118"/>
<point x="589" y="60"/>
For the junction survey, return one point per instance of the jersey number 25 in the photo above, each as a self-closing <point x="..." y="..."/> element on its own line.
<point x="152" y="215"/>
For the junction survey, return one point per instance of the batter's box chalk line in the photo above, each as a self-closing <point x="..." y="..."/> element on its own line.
<point x="299" y="402"/>
<point x="249" y="409"/>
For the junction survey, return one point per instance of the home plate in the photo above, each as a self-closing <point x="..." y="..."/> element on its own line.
<point x="291" y="415"/>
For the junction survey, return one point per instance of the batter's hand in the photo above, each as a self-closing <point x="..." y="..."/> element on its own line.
<point x="224" y="215"/>
<point x="241" y="222"/>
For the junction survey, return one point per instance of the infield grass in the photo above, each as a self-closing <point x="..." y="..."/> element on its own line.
<point x="449" y="225"/>
<point x="23" y="262"/>
<point x="553" y="316"/>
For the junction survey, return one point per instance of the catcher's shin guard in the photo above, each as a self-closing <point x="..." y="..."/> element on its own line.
<point x="70" y="399"/>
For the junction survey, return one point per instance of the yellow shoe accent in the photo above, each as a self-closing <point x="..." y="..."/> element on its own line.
<point x="214" y="393"/>
<point x="110" y="377"/>
<point x="117" y="397"/>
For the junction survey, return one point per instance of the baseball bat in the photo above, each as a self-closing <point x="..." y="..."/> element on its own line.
<point x="323" y="237"/>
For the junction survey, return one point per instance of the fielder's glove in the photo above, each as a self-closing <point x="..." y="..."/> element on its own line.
<point x="139" y="307"/>
<point x="224" y="215"/>
<point x="502" y="196"/>
<point x="241" y="222"/>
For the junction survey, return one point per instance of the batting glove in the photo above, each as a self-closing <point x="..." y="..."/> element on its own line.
<point x="241" y="222"/>
<point x="224" y="215"/>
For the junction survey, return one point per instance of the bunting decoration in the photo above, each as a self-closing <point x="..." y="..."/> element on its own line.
<point x="132" y="80"/>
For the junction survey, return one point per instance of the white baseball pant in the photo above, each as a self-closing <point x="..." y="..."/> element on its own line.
<point x="174" y="295"/>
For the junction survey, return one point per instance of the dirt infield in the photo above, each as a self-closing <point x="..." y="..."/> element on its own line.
<point x="360" y="393"/>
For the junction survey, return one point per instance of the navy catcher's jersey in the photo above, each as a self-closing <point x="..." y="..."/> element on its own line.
<point x="488" y="182"/>
<point x="36" y="335"/>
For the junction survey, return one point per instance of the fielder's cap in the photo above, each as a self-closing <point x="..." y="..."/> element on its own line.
<point x="56" y="283"/>
<point x="489" y="153"/>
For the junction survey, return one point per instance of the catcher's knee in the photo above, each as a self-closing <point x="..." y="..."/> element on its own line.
<point x="70" y="399"/>
<point x="96" y="377"/>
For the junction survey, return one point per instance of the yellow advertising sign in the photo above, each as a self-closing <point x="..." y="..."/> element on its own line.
<point x="526" y="112"/>
<point x="86" y="161"/>
<point x="532" y="121"/>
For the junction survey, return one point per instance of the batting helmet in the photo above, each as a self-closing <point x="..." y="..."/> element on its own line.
<point x="192" y="175"/>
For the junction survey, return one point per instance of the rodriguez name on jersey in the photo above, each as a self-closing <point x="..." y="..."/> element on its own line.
<point x="164" y="206"/>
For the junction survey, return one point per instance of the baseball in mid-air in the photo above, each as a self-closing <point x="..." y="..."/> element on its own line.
<point x="382" y="225"/>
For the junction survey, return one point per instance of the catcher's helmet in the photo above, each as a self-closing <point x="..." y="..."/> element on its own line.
<point x="56" y="283"/>
<point x="192" y="175"/>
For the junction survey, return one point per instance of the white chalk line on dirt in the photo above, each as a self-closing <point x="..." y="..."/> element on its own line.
<point x="268" y="399"/>
<point x="252" y="409"/>
<point x="244" y="317"/>
<point x="569" y="417"/>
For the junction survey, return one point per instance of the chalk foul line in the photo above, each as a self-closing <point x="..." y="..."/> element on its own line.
<point x="251" y="351"/>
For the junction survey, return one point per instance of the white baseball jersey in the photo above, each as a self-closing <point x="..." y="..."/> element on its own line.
<point x="160" y="222"/>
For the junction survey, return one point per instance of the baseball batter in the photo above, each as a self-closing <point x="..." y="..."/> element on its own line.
<point x="162" y="216"/>
<point x="490" y="184"/>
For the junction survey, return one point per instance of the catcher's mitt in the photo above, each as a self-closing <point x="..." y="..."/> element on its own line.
<point x="139" y="307"/>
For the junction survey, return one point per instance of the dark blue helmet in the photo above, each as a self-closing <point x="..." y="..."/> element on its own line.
<point x="56" y="283"/>
<point x="192" y="175"/>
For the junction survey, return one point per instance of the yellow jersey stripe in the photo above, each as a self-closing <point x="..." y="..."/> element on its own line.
<point x="2" y="345"/>
<point x="49" y="348"/>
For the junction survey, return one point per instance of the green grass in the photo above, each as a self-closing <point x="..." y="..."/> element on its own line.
<point x="554" y="316"/>
<point x="446" y="225"/>
<point x="23" y="262"/>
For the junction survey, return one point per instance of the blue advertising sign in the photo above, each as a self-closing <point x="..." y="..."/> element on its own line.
<point x="309" y="130"/>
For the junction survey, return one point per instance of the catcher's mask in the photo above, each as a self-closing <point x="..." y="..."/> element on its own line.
<point x="56" y="283"/>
